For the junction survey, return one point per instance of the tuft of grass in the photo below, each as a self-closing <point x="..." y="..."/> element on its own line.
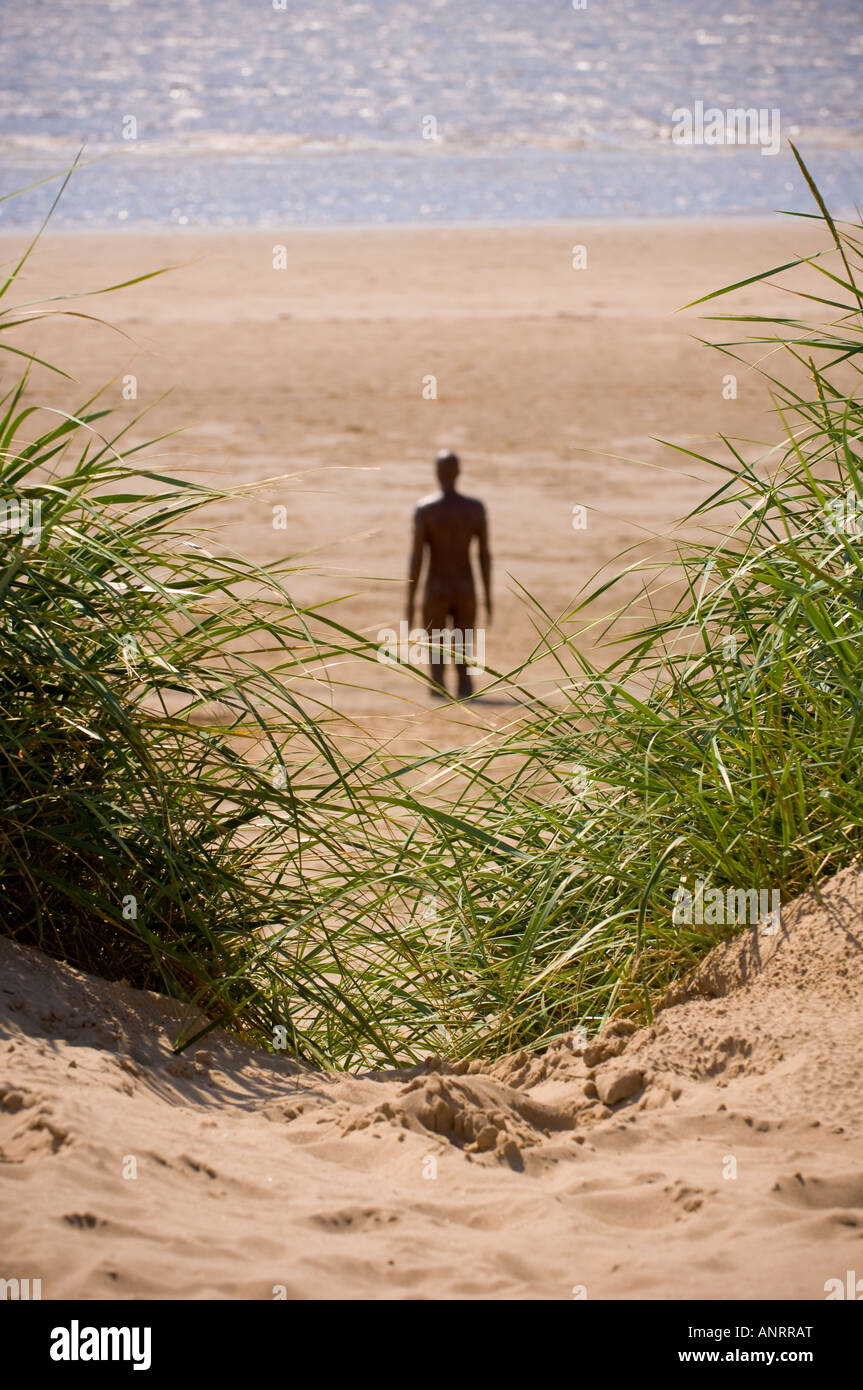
<point x="173" y="804"/>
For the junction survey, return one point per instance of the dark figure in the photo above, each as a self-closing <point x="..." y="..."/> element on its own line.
<point x="446" y="523"/>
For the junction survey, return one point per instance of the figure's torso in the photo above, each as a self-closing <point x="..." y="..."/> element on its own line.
<point x="450" y="521"/>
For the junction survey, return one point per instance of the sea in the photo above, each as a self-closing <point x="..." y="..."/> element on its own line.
<point x="279" y="113"/>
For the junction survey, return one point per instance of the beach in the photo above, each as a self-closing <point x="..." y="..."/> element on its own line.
<point x="554" y="384"/>
<point x="317" y="982"/>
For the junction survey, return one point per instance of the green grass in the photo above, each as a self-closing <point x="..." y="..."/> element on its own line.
<point x="170" y="791"/>
<point x="680" y="754"/>
<point x="715" y="734"/>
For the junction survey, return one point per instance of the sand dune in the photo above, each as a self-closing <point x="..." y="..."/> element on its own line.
<point x="717" y="1154"/>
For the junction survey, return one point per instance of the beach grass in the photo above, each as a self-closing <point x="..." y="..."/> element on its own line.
<point x="179" y="812"/>
<point x="165" y="785"/>
<point x="716" y="742"/>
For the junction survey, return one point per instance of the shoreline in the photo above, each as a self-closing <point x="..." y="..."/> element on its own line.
<point x="663" y="220"/>
<point x="755" y="221"/>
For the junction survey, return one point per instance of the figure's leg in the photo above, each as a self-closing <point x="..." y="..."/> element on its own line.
<point x="464" y="617"/>
<point x="435" y="611"/>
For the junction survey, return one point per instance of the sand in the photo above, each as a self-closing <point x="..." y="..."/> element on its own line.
<point x="554" y="383"/>
<point x="717" y="1154"/>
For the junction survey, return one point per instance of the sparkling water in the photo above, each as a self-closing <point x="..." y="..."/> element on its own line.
<point x="235" y="112"/>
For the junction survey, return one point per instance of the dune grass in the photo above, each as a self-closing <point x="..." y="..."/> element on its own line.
<point x="717" y="739"/>
<point x="279" y="883"/>
<point x="166" y="772"/>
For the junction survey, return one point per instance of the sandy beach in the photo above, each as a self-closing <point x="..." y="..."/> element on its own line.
<point x="319" y="982"/>
<point x="553" y="383"/>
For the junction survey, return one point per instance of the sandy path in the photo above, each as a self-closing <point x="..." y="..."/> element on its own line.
<point x="727" y="1164"/>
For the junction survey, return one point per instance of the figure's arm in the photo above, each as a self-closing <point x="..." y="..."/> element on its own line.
<point x="485" y="561"/>
<point x="416" y="563"/>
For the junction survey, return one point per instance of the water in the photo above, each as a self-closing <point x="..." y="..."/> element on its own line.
<point x="248" y="115"/>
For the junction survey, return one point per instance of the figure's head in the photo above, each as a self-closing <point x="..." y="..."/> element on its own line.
<point x="446" y="465"/>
